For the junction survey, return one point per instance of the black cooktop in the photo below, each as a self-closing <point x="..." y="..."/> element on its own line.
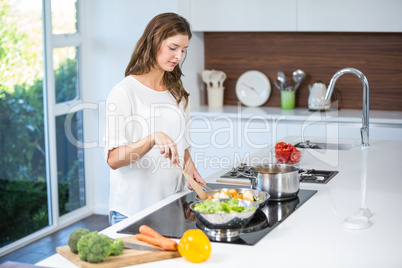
<point x="173" y="219"/>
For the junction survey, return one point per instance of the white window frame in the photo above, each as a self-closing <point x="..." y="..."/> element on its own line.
<point x="54" y="109"/>
<point x="51" y="111"/>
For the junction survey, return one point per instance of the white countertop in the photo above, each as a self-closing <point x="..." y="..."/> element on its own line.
<point x="313" y="236"/>
<point x="297" y="114"/>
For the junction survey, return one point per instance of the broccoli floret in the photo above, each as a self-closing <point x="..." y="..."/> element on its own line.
<point x="74" y="237"/>
<point x="117" y="247"/>
<point x="94" y="247"/>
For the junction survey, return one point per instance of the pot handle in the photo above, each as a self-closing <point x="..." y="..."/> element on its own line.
<point x="302" y="171"/>
<point x="248" y="176"/>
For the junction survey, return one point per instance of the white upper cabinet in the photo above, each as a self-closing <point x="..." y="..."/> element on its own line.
<point x="243" y="15"/>
<point x="349" y="15"/>
<point x="296" y="15"/>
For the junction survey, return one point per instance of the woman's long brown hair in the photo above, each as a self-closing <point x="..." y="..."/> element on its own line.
<point x="143" y="58"/>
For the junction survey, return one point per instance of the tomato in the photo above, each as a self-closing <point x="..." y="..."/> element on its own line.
<point x="291" y="147"/>
<point x="195" y="246"/>
<point x="280" y="145"/>
<point x="295" y="156"/>
<point x="282" y="155"/>
<point x="287" y="153"/>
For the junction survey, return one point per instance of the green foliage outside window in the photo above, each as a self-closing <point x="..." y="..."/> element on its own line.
<point x="23" y="203"/>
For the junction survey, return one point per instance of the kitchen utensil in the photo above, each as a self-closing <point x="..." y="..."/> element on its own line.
<point x="287" y="82"/>
<point x="129" y="256"/>
<point x="316" y="99"/>
<point x="283" y="83"/>
<point x="282" y="78"/>
<point x="222" y="79"/>
<point x="216" y="77"/>
<point x="264" y="196"/>
<point x="298" y="77"/>
<point x="141" y="247"/>
<point x="280" y="181"/>
<point x="223" y="220"/>
<point x="278" y="84"/>
<point x="196" y="187"/>
<point x="206" y="77"/>
<point x="214" y="80"/>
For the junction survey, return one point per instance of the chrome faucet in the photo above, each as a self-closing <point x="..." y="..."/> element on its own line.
<point x="364" y="130"/>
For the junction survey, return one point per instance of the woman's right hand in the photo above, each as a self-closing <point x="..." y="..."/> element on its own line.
<point x="167" y="147"/>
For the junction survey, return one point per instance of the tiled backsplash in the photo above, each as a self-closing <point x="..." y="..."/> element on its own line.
<point x="320" y="55"/>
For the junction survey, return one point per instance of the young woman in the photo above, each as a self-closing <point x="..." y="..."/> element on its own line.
<point x="146" y="121"/>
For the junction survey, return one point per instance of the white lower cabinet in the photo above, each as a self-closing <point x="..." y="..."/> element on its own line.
<point x="386" y="132"/>
<point x="223" y="142"/>
<point x="344" y="130"/>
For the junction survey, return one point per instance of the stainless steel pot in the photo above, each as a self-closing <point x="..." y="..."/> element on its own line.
<point x="281" y="181"/>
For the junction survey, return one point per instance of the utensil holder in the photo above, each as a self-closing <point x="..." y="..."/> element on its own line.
<point x="215" y="97"/>
<point x="288" y="99"/>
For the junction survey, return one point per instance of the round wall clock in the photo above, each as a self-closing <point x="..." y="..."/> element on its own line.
<point x="253" y="88"/>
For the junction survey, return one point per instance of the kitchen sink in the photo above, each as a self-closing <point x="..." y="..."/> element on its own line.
<point x="324" y="145"/>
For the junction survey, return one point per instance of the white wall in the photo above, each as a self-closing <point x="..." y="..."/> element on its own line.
<point x="111" y="29"/>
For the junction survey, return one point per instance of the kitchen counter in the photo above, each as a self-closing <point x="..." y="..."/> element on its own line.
<point x="298" y="114"/>
<point x="313" y="236"/>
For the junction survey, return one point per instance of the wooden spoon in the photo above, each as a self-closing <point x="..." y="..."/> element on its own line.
<point x="197" y="188"/>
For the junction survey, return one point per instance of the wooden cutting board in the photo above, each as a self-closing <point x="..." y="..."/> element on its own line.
<point x="128" y="257"/>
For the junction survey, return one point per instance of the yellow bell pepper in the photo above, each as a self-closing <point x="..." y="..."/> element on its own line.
<point x="195" y="246"/>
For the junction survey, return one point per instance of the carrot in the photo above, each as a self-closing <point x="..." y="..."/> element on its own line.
<point x="158" y="239"/>
<point x="162" y="242"/>
<point x="146" y="230"/>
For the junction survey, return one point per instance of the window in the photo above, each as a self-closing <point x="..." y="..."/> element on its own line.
<point x="64" y="17"/>
<point x="65" y="66"/>
<point x="42" y="178"/>
<point x="63" y="87"/>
